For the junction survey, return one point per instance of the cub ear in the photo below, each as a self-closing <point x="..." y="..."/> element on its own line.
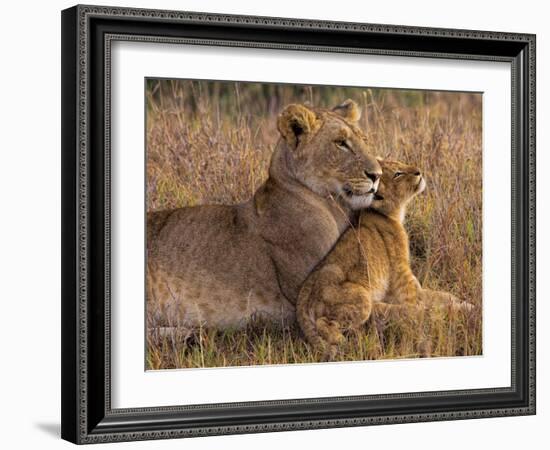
<point x="295" y="122"/>
<point x="348" y="110"/>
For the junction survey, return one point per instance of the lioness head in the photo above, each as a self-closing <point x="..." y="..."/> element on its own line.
<point x="329" y="153"/>
<point x="398" y="185"/>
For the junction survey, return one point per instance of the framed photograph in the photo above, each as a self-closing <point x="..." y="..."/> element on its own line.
<point x="280" y="224"/>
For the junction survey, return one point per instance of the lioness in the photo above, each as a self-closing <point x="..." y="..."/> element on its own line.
<point x="221" y="265"/>
<point x="368" y="269"/>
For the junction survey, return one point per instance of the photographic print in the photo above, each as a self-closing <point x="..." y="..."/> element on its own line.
<point x="300" y="224"/>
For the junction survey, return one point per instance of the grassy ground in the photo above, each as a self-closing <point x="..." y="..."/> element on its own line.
<point x="210" y="143"/>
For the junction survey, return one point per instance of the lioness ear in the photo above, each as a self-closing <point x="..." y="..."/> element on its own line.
<point x="348" y="110"/>
<point x="295" y="122"/>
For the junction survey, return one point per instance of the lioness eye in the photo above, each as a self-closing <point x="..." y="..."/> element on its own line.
<point x="342" y="144"/>
<point x="397" y="174"/>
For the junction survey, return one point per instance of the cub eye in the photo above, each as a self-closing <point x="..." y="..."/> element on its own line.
<point x="398" y="174"/>
<point x="342" y="144"/>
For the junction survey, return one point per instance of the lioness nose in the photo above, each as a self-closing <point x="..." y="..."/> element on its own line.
<point x="417" y="173"/>
<point x="372" y="176"/>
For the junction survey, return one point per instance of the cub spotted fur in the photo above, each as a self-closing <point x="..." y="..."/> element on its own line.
<point x="368" y="269"/>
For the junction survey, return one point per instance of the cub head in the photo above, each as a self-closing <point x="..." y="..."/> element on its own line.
<point x="398" y="185"/>
<point x="328" y="153"/>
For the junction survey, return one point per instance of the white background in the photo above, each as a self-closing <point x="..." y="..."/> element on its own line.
<point x="133" y="387"/>
<point x="30" y="225"/>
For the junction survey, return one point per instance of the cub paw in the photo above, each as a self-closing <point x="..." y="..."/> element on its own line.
<point x="330" y="330"/>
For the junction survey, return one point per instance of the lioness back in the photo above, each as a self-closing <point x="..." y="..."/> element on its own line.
<point x="193" y="261"/>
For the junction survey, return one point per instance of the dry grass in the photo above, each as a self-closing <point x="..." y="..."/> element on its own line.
<point x="210" y="143"/>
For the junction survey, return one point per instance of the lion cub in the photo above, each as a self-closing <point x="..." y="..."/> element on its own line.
<point x="368" y="269"/>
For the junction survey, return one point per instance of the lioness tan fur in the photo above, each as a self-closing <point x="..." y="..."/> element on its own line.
<point x="222" y="265"/>
<point x="368" y="269"/>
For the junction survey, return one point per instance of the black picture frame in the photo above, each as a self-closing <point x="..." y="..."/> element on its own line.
<point x="87" y="32"/>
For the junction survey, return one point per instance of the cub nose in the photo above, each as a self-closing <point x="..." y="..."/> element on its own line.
<point x="372" y="176"/>
<point x="417" y="173"/>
